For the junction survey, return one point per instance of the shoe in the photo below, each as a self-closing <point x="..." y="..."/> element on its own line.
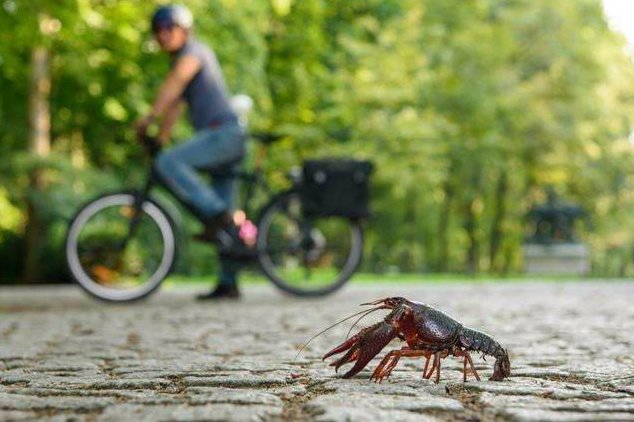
<point x="231" y="244"/>
<point x="212" y="227"/>
<point x="221" y="292"/>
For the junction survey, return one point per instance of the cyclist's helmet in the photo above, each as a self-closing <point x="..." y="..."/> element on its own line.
<point x="172" y="15"/>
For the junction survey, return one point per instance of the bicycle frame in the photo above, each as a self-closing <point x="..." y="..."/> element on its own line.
<point x="253" y="179"/>
<point x="262" y="205"/>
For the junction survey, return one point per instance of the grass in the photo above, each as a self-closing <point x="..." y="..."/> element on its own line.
<point x="253" y="277"/>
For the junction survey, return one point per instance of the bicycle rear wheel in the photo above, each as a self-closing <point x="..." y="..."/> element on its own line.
<point x="307" y="256"/>
<point x="113" y="261"/>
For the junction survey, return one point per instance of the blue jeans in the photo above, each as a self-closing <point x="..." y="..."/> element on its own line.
<point x="208" y="149"/>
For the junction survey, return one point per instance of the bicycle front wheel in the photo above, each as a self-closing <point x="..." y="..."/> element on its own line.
<point x="307" y="256"/>
<point x="117" y="253"/>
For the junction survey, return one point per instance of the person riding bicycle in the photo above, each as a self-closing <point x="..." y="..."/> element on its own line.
<point x="196" y="79"/>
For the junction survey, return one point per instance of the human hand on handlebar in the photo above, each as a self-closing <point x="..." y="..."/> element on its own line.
<point x="152" y="144"/>
<point x="141" y="125"/>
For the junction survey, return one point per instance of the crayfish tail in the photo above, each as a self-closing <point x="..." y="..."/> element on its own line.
<point x="478" y="341"/>
<point x="501" y="368"/>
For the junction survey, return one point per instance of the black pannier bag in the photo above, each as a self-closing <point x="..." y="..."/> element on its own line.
<point x="336" y="187"/>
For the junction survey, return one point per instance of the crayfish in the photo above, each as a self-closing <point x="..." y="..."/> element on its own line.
<point x="427" y="331"/>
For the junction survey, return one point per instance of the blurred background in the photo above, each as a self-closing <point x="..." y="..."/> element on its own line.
<point x="471" y="110"/>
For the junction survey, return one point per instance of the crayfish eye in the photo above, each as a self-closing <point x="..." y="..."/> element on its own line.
<point x="393" y="302"/>
<point x="398" y="301"/>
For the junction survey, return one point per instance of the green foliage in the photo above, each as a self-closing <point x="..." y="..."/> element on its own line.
<point x="469" y="109"/>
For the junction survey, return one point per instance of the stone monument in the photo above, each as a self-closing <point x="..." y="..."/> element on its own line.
<point x="553" y="247"/>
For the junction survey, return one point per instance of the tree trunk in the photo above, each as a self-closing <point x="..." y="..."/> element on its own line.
<point x="411" y="222"/>
<point x="471" y="227"/>
<point x="39" y="146"/>
<point x="442" y="261"/>
<point x="497" y="231"/>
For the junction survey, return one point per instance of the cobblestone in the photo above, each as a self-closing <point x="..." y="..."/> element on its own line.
<point x="66" y="357"/>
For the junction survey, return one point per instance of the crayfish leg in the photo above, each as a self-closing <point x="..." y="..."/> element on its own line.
<point x="435" y="366"/>
<point x="427" y="375"/>
<point x="473" y="370"/>
<point x="438" y="368"/>
<point x="384" y="369"/>
<point x="427" y="354"/>
<point x="467" y="360"/>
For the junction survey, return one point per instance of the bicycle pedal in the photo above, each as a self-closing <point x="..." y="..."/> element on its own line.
<point x="224" y="239"/>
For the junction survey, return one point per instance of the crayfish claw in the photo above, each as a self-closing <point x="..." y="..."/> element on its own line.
<point x="352" y="342"/>
<point x="363" y="346"/>
<point x="370" y="345"/>
<point x="351" y="356"/>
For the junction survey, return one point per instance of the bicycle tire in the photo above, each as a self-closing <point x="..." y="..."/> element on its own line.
<point x="280" y="205"/>
<point x="158" y="215"/>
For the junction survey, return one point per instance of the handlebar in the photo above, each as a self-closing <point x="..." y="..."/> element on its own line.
<point x="151" y="144"/>
<point x="266" y="138"/>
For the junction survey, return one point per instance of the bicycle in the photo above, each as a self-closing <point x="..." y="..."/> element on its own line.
<point x="120" y="246"/>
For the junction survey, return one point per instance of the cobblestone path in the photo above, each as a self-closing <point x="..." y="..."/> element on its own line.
<point x="64" y="356"/>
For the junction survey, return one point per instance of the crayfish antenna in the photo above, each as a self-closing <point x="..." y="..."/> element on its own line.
<point x="360" y="318"/>
<point x="365" y="311"/>
<point x="376" y="302"/>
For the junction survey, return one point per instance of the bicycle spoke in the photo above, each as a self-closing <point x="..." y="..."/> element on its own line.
<point x="307" y="272"/>
<point x="117" y="253"/>
<point x="307" y="256"/>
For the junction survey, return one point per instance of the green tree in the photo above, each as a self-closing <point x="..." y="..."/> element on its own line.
<point x="469" y="109"/>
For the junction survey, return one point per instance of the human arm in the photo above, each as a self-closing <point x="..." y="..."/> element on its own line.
<point x="170" y="91"/>
<point x="167" y="122"/>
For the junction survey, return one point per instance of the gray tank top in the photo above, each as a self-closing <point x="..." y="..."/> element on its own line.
<point x="206" y="94"/>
